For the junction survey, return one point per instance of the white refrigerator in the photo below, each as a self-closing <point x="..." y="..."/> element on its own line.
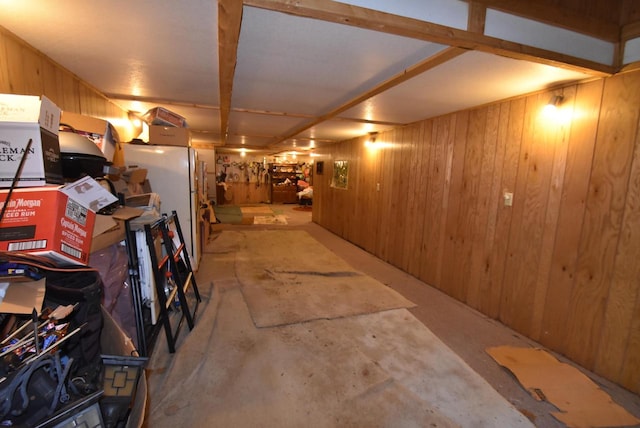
<point x="172" y="172"/>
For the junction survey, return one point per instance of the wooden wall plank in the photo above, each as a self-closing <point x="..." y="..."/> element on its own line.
<point x="450" y="250"/>
<point x="556" y="135"/>
<point x="436" y="197"/>
<point x="386" y="168"/>
<point x="349" y="203"/>
<point x="536" y="195"/>
<point x="354" y="222"/>
<point x="448" y="147"/>
<point x="511" y="171"/>
<point x="469" y="209"/>
<point x="319" y="188"/>
<point x="398" y="218"/>
<point x="71" y="93"/>
<point x="482" y="231"/>
<point x="603" y="219"/>
<point x="15" y="67"/>
<point x="430" y="182"/>
<point x="32" y="78"/>
<point x="50" y="85"/>
<point x="339" y="195"/>
<point x="369" y="209"/>
<point x="5" y="87"/>
<point x="624" y="293"/>
<point x="390" y="166"/>
<point x="361" y="196"/>
<point x="570" y="220"/>
<point x="433" y="211"/>
<point x="514" y="293"/>
<point x="423" y="136"/>
<point x="630" y="372"/>
<point x="492" y="256"/>
<point x="412" y="216"/>
<point x="372" y="238"/>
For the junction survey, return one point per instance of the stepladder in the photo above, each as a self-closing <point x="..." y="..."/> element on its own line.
<point x="169" y="277"/>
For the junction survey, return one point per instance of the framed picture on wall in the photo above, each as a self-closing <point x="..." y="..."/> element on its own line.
<point x="319" y="167"/>
<point x="340" y="174"/>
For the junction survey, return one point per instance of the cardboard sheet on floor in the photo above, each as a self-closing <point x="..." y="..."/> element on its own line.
<point x="579" y="400"/>
<point x="288" y="277"/>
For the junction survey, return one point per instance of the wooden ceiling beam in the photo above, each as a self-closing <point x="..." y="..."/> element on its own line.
<point x="409" y="27"/>
<point x="630" y="31"/>
<point x="229" y="20"/>
<point x="477" y="18"/>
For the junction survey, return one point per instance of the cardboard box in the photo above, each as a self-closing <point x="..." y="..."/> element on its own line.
<point x="109" y="230"/>
<point x="169" y="136"/>
<point x="101" y="132"/>
<point x="163" y="117"/>
<point x="46" y="221"/>
<point x="24" y="118"/>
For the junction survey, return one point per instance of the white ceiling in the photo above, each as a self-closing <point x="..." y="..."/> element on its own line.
<point x="290" y="70"/>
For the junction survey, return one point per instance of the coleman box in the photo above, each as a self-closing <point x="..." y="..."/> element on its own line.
<point x="25" y="118"/>
<point x="169" y="136"/>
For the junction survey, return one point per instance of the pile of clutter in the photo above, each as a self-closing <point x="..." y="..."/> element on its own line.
<point x="54" y="213"/>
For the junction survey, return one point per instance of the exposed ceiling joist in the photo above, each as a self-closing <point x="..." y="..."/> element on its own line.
<point x="229" y="21"/>
<point x="477" y="18"/>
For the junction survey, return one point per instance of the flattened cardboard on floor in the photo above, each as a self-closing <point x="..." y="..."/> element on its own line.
<point x="22" y="297"/>
<point x="580" y="401"/>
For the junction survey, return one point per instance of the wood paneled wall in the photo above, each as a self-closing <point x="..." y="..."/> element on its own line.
<point x="242" y="193"/>
<point x="26" y="71"/>
<point x="561" y="264"/>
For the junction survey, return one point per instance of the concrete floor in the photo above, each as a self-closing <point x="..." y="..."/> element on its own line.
<point x="467" y="332"/>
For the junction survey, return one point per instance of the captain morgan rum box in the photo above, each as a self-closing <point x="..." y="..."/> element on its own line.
<point x="56" y="222"/>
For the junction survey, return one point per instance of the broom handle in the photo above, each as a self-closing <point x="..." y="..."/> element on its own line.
<point x="15" y="178"/>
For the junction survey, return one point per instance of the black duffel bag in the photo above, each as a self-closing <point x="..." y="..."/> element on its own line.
<point x="81" y="287"/>
<point x="70" y="285"/>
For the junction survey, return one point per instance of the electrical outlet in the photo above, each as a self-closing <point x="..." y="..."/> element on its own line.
<point x="508" y="199"/>
<point x="378" y="187"/>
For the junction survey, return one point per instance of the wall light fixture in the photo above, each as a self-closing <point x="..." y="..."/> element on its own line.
<point x="556" y="100"/>
<point x="551" y="108"/>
